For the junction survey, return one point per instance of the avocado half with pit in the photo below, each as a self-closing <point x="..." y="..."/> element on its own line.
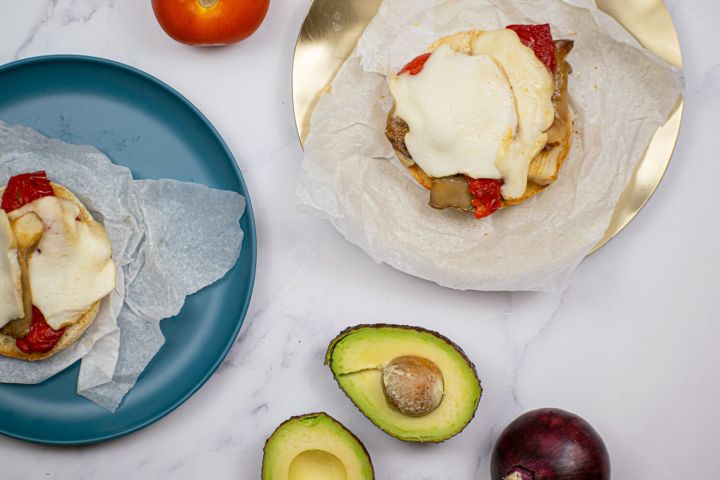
<point x="315" y="447"/>
<point x="414" y="384"/>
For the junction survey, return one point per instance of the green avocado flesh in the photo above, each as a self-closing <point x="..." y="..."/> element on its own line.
<point x="357" y="358"/>
<point x="315" y="447"/>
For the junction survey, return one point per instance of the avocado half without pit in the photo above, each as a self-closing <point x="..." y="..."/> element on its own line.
<point x="414" y="384"/>
<point x="315" y="447"/>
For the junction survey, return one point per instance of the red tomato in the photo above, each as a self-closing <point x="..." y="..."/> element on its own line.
<point x="210" y="22"/>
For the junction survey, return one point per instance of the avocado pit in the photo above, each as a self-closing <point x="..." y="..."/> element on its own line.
<point x="413" y="385"/>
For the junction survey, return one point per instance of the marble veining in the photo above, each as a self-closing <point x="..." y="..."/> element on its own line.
<point x="629" y="345"/>
<point x="58" y="14"/>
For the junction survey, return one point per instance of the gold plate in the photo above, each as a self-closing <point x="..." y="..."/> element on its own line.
<point x="333" y="27"/>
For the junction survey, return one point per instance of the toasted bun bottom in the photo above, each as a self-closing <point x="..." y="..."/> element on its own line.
<point x="462" y="43"/>
<point x="73" y="331"/>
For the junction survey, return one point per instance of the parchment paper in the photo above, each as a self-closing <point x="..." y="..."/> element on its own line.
<point x="620" y="93"/>
<point x="170" y="239"/>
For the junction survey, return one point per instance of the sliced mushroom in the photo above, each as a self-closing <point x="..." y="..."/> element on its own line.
<point x="451" y="192"/>
<point x="558" y="130"/>
<point x="396" y="130"/>
<point x="544" y="168"/>
<point x="28" y="231"/>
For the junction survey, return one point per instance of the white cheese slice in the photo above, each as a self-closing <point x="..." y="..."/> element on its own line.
<point x="71" y="268"/>
<point x="11" y="302"/>
<point x="533" y="86"/>
<point x="461" y="113"/>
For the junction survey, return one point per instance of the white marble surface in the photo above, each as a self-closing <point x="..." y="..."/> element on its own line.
<point x="631" y="345"/>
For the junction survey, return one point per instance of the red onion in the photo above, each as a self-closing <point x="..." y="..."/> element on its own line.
<point x="550" y="444"/>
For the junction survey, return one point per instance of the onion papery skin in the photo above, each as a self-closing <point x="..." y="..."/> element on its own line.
<point x="550" y="444"/>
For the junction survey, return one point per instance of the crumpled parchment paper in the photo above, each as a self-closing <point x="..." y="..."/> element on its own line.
<point x="620" y="94"/>
<point x="170" y="239"/>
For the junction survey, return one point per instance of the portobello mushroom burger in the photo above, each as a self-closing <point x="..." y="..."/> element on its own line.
<point x="482" y="119"/>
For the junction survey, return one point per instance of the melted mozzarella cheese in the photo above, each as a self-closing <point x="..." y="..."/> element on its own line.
<point x="71" y="268"/>
<point x="533" y="86"/>
<point x="11" y="302"/>
<point x="461" y="114"/>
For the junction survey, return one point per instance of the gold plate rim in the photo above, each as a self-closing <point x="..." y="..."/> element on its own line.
<point x="649" y="21"/>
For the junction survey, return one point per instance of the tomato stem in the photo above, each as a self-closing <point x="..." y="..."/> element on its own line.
<point x="207" y="3"/>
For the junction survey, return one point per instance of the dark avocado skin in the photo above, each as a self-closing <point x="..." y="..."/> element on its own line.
<point x="317" y="414"/>
<point x="351" y="330"/>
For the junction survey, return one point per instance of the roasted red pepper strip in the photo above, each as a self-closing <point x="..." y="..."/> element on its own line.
<point x="486" y="195"/>
<point x="41" y="338"/>
<point x="539" y="39"/>
<point x="415" y="66"/>
<point x="25" y="188"/>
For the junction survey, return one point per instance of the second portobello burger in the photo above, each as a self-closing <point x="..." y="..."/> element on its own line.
<point x="55" y="268"/>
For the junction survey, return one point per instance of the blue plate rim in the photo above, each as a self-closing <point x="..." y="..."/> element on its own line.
<point x="251" y="235"/>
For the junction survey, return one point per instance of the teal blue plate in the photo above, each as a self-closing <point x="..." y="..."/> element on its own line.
<point x="150" y="128"/>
